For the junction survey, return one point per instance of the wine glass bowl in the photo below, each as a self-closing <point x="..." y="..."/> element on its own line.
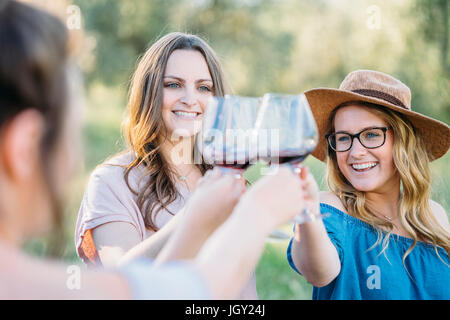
<point x="227" y="136"/>
<point x="277" y="128"/>
<point x="289" y="118"/>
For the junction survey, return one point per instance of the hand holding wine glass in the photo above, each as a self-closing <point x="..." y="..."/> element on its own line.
<point x="213" y="200"/>
<point x="273" y="200"/>
<point x="310" y="195"/>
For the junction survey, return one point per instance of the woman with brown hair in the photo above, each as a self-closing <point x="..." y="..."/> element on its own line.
<point x="133" y="196"/>
<point x="385" y="238"/>
<point x="39" y="140"/>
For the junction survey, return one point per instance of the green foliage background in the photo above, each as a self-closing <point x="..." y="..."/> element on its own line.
<point x="265" y="46"/>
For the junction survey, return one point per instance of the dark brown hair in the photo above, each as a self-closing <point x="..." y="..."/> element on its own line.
<point x="144" y="126"/>
<point x="33" y="58"/>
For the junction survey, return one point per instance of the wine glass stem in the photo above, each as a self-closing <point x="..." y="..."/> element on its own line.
<point x="296" y="166"/>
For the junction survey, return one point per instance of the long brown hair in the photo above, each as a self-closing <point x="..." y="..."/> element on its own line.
<point x="33" y="74"/>
<point x="412" y="164"/>
<point x="143" y="125"/>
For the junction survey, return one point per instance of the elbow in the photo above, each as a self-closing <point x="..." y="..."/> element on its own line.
<point x="321" y="278"/>
<point x="318" y="283"/>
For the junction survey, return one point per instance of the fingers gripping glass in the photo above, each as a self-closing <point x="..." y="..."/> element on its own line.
<point x="369" y="138"/>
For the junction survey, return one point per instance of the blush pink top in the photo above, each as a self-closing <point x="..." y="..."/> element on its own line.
<point x="108" y="199"/>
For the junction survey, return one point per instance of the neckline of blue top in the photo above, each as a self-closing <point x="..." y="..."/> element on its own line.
<point x="352" y="219"/>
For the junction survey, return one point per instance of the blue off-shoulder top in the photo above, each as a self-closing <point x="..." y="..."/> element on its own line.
<point x="367" y="274"/>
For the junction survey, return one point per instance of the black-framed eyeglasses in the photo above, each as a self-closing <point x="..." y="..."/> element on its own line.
<point x="370" y="138"/>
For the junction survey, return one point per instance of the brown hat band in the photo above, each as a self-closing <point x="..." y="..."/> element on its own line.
<point x="380" y="95"/>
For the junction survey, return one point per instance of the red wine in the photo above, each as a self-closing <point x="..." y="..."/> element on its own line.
<point x="241" y="162"/>
<point x="288" y="157"/>
<point x="235" y="165"/>
<point x="291" y="159"/>
<point x="231" y="158"/>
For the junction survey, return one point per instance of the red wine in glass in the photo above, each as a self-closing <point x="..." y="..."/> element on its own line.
<point x="235" y="165"/>
<point x="289" y="157"/>
<point x="233" y="161"/>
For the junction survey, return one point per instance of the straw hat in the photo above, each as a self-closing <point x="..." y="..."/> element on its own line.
<point x="381" y="89"/>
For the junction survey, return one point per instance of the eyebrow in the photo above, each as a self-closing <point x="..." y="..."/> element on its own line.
<point x="371" y="127"/>
<point x="182" y="80"/>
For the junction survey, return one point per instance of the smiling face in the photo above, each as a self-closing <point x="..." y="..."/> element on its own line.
<point x="187" y="88"/>
<point x="368" y="170"/>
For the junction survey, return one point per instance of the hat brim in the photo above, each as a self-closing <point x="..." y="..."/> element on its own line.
<point x="323" y="101"/>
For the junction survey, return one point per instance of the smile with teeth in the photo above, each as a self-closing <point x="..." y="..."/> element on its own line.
<point x="363" y="166"/>
<point x="187" y="115"/>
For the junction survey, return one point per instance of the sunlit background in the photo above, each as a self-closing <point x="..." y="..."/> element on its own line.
<point x="285" y="46"/>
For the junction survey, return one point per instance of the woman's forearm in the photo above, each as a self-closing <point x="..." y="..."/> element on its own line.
<point x="314" y="254"/>
<point x="183" y="245"/>
<point x="199" y="221"/>
<point x="230" y="255"/>
<point x="30" y="278"/>
<point x="152" y="246"/>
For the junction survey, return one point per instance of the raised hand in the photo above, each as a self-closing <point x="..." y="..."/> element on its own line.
<point x="208" y="207"/>
<point x="213" y="200"/>
<point x="274" y="199"/>
<point x="310" y="191"/>
<point x="233" y="249"/>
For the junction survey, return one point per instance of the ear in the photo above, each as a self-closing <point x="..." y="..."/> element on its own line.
<point x="20" y="145"/>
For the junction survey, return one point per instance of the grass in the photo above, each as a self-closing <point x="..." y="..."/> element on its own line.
<point x="276" y="280"/>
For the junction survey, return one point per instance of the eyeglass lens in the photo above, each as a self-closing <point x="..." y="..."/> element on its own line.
<point x="369" y="138"/>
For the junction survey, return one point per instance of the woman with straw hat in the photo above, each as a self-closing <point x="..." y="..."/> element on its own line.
<point x="385" y="238"/>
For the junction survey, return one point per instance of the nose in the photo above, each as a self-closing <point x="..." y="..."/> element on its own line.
<point x="357" y="150"/>
<point x="189" y="97"/>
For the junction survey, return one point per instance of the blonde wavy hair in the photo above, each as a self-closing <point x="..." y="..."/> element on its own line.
<point x="412" y="164"/>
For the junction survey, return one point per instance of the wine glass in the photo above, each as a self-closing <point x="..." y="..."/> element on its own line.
<point x="227" y="136"/>
<point x="288" y="125"/>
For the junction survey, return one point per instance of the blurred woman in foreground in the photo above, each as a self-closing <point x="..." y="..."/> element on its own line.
<point x="39" y="150"/>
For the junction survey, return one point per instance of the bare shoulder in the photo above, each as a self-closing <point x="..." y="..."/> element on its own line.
<point x="331" y="199"/>
<point x="113" y="166"/>
<point x="440" y="214"/>
<point x="111" y="174"/>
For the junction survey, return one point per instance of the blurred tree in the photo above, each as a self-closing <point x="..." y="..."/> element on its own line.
<point x="247" y="36"/>
<point x="123" y="30"/>
<point x="429" y="45"/>
<point x="238" y="31"/>
<point x="434" y="21"/>
<point x="287" y="46"/>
